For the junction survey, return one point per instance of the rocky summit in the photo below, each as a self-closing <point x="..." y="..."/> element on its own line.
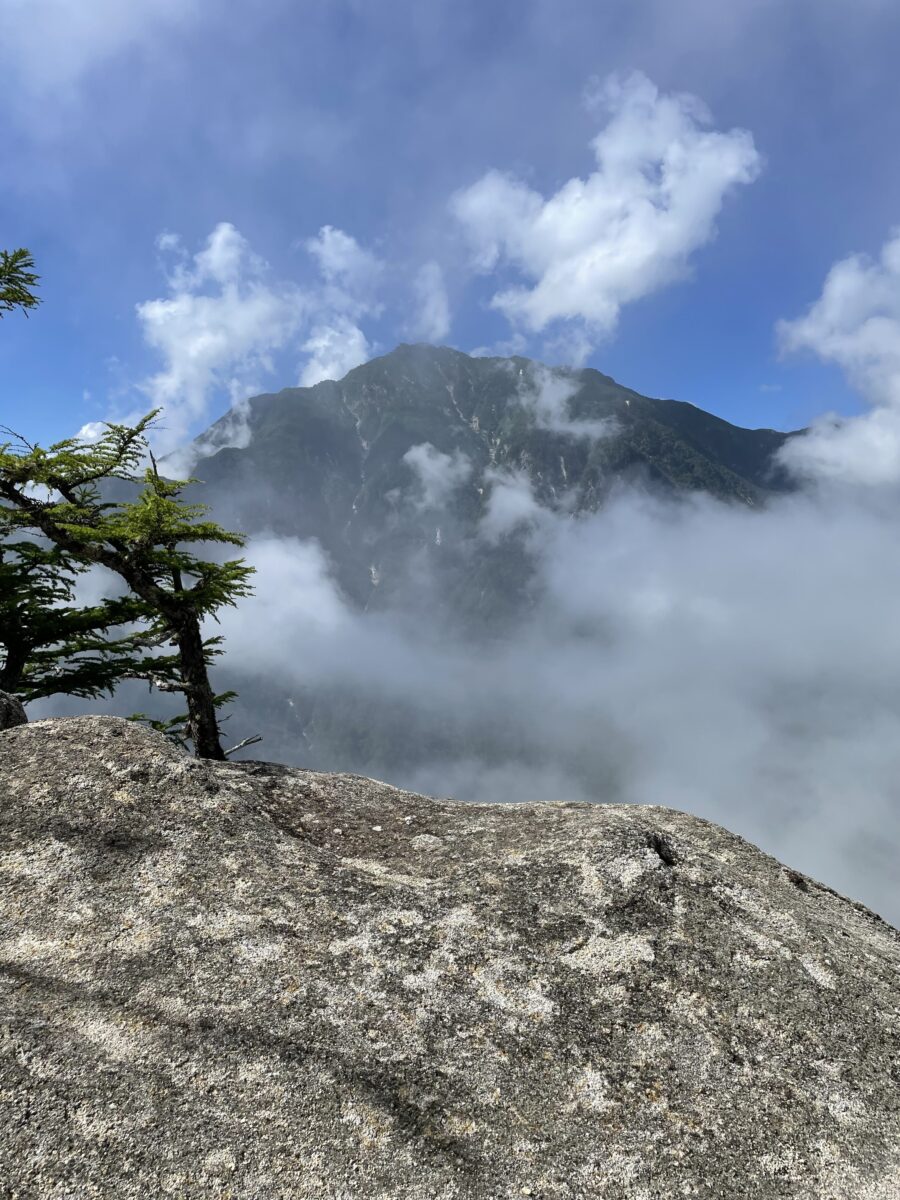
<point x="337" y="462"/>
<point x="258" y="982"/>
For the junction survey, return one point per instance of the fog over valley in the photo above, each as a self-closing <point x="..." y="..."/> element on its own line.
<point x="568" y="593"/>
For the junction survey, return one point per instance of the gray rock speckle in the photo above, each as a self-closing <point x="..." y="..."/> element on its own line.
<point x="255" y="982"/>
<point x="12" y="712"/>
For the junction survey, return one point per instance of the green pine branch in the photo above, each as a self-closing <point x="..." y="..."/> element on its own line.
<point x="17" y="281"/>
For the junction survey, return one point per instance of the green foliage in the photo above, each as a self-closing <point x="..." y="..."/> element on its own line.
<point x="17" y="281"/>
<point x="56" y="520"/>
<point x="177" y="728"/>
<point x="49" y="645"/>
<point x="148" y="541"/>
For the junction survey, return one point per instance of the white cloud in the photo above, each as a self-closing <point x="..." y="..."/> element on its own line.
<point x="334" y="349"/>
<point x="350" y="272"/>
<point x="511" y="505"/>
<point x="627" y="230"/>
<point x="286" y="567"/>
<point x="92" y="431"/>
<point x="226" y="321"/>
<point x="51" y="44"/>
<point x="437" y="474"/>
<point x="547" y="394"/>
<point x="432" y="320"/>
<point x="571" y="347"/>
<point x="856" y="450"/>
<point x="350" y="277"/>
<point x="168" y="242"/>
<point x="855" y="323"/>
<point x="225" y="258"/>
<point x="217" y="330"/>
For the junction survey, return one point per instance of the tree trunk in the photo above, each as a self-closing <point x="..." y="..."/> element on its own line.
<point x="14" y="665"/>
<point x="200" y="696"/>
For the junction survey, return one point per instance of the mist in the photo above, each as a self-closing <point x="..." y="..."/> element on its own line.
<point x="740" y="665"/>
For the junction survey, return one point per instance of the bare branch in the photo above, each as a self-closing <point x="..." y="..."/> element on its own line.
<point x="249" y="741"/>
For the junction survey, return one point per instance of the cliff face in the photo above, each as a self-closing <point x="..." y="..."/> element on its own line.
<point x="252" y="981"/>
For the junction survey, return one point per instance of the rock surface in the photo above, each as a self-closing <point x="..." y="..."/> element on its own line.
<point x="12" y="712"/>
<point x="257" y="982"/>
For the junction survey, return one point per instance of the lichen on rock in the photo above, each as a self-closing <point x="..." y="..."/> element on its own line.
<point x="260" y="982"/>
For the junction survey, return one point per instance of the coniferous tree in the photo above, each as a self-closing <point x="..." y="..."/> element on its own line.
<point x="51" y="645"/>
<point x="17" y="281"/>
<point x="148" y="542"/>
<point x="48" y="644"/>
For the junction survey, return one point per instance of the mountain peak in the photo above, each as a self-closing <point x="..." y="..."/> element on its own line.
<point x="341" y="462"/>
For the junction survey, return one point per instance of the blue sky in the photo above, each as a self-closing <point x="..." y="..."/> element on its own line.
<point x="225" y="199"/>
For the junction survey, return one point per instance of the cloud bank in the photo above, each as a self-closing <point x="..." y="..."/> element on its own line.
<point x="738" y="665"/>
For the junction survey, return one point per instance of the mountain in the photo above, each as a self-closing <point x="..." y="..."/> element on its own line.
<point x="333" y="461"/>
<point x="421" y="474"/>
<point x="253" y="981"/>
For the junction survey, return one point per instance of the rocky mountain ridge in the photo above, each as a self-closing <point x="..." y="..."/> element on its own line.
<point x="337" y="462"/>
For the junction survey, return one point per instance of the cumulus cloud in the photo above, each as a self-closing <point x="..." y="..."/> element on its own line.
<point x="350" y="277"/>
<point x="217" y="330"/>
<point x="226" y="322"/>
<point x="437" y="474"/>
<point x="92" y="431"/>
<point x="855" y="324"/>
<point x="626" y="230"/>
<point x="431" y="322"/>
